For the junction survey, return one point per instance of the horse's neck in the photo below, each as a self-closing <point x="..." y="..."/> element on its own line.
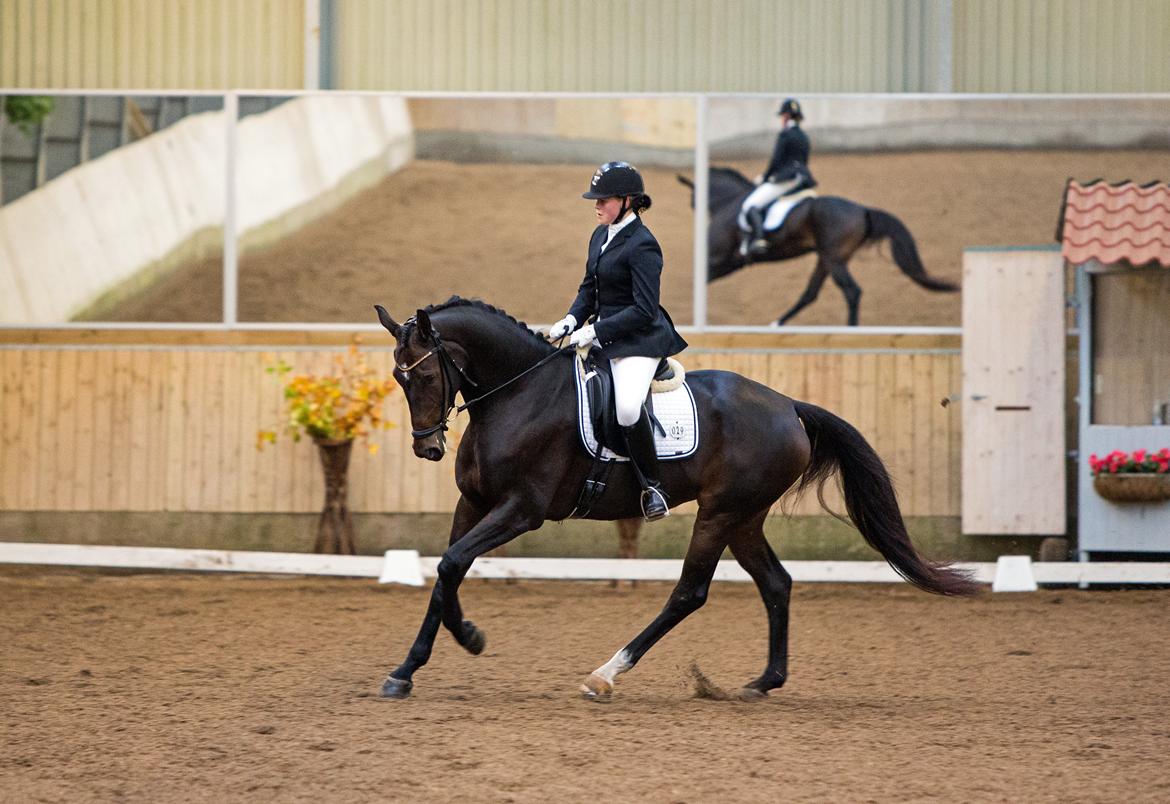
<point x="497" y="349"/>
<point x="726" y="188"/>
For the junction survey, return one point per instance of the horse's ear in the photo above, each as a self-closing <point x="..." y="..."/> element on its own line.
<point x="684" y="180"/>
<point x="389" y="323"/>
<point x="424" y="324"/>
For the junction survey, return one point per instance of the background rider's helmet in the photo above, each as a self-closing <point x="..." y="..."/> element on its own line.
<point x="791" y="106"/>
<point x="614" y="179"/>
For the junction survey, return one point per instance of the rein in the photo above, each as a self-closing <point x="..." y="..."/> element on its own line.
<point x="445" y="361"/>
<point x="505" y="384"/>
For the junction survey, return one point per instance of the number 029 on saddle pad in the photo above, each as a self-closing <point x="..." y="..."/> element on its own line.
<point x="675" y="411"/>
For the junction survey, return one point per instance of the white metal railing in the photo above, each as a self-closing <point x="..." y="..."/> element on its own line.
<point x="1007" y="574"/>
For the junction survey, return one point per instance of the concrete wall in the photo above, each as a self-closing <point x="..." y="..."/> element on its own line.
<point x="160" y="201"/>
<point x="747" y="126"/>
<point x="661" y="131"/>
<point x="797" y="538"/>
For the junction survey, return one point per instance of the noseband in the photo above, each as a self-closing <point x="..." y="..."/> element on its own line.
<point x="447" y="363"/>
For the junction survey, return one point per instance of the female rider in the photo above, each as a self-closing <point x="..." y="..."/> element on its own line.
<point x="620" y="296"/>
<point x="786" y="174"/>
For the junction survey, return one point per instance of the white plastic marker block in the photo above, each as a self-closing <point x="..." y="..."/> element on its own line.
<point x="401" y="566"/>
<point x="1014" y="574"/>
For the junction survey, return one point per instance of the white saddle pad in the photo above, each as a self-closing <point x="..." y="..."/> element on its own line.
<point x="781" y="207"/>
<point x="674" y="409"/>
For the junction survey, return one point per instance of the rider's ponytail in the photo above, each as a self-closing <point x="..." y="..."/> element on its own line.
<point x="641" y="204"/>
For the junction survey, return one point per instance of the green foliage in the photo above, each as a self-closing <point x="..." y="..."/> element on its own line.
<point x="26" y="111"/>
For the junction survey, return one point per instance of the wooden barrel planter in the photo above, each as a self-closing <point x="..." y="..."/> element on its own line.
<point x="335" y="527"/>
<point x="1137" y="487"/>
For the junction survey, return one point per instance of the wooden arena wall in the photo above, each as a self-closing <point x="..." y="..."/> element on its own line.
<point x="167" y="420"/>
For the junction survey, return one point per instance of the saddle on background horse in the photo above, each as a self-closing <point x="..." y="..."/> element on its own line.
<point x="777" y="211"/>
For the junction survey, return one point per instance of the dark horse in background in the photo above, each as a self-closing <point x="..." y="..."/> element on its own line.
<point x="835" y="228"/>
<point x="520" y="463"/>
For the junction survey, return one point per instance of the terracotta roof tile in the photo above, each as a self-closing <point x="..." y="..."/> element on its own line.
<point x="1116" y="222"/>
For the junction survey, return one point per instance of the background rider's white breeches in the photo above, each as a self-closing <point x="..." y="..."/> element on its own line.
<point x="631" y="381"/>
<point x="763" y="195"/>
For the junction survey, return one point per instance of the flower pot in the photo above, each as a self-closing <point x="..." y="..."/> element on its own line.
<point x="335" y="526"/>
<point x="1137" y="487"/>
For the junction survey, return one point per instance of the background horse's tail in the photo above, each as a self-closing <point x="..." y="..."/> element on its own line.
<point x="880" y="225"/>
<point x="837" y="446"/>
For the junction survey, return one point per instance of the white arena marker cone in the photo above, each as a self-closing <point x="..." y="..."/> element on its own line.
<point x="1014" y="574"/>
<point x="402" y="566"/>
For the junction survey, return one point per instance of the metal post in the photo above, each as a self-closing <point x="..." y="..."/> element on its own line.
<point x="231" y="109"/>
<point x="327" y="41"/>
<point x="1084" y="285"/>
<point x="942" y="40"/>
<point x="702" y="163"/>
<point x="312" y="44"/>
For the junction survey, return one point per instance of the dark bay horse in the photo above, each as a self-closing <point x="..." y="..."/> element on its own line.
<point x="520" y="463"/>
<point x="835" y="228"/>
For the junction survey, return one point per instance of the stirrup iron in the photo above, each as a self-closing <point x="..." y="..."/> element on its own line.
<point x="649" y="511"/>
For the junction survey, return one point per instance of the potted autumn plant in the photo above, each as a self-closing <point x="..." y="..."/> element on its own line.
<point x="1138" y="476"/>
<point x="334" y="409"/>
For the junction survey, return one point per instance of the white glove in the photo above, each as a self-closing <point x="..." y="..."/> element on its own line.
<point x="583" y="336"/>
<point x="562" y="328"/>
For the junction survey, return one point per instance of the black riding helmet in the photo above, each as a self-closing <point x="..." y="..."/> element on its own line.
<point x="615" y="179"/>
<point x="791" y="106"/>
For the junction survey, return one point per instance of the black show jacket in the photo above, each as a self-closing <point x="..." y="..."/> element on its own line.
<point x="792" y="150"/>
<point x="621" y="289"/>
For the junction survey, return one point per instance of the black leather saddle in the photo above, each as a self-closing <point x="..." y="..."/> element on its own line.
<point x="602" y="407"/>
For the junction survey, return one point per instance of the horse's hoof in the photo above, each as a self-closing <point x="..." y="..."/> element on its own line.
<point x="596" y="688"/>
<point x="396" y="688"/>
<point x="474" y="639"/>
<point x="750" y="694"/>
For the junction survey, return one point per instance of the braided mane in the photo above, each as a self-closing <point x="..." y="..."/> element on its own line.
<point x="476" y="304"/>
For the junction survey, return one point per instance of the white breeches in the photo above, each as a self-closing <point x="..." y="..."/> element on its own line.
<point x="631" y="381"/>
<point x="763" y="195"/>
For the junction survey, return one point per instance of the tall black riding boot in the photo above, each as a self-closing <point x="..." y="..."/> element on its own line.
<point x="755" y="217"/>
<point x="644" y="460"/>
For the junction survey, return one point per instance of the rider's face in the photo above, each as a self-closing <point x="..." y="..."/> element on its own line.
<point x="607" y="209"/>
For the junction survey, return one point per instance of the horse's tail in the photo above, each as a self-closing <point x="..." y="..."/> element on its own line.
<point x="873" y="509"/>
<point x="881" y="225"/>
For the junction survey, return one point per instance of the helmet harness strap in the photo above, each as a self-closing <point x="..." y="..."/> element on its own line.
<point x="623" y="210"/>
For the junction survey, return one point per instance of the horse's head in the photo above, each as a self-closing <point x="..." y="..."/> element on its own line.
<point x="420" y="367"/>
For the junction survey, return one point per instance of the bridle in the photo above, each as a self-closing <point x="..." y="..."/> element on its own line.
<point x="450" y="386"/>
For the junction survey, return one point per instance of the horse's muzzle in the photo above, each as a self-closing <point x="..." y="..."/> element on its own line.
<point x="432" y="447"/>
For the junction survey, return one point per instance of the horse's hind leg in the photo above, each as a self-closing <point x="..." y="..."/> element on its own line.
<point x="811" y="290"/>
<point x="755" y="555"/>
<point x="849" y="286"/>
<point x="398" y="684"/>
<point x="689" y="594"/>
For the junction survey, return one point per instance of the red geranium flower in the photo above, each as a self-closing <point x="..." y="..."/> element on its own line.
<point x="1139" y="461"/>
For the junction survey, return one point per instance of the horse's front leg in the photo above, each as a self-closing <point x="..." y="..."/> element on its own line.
<point x="501" y="525"/>
<point x="398" y="684"/>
